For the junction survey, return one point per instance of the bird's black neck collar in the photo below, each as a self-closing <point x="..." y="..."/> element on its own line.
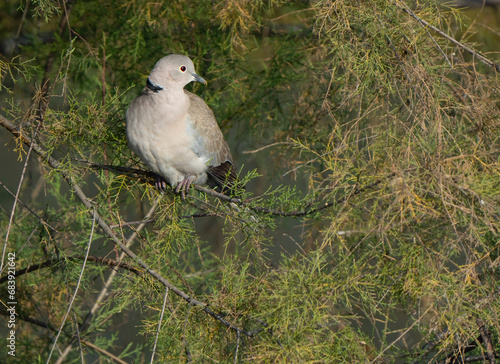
<point x="153" y="86"/>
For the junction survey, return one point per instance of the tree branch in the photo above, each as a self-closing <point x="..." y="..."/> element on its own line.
<point x="149" y="178"/>
<point x="51" y="262"/>
<point x="425" y="24"/>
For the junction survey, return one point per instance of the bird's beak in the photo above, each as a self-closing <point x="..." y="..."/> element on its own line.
<point x="199" y="78"/>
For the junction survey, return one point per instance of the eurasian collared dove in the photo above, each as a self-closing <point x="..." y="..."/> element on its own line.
<point x="175" y="133"/>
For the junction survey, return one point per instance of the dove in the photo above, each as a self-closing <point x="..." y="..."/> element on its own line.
<point x="175" y="133"/>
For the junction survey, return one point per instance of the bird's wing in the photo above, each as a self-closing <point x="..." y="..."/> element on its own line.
<point x="209" y="140"/>
<point x="210" y="143"/>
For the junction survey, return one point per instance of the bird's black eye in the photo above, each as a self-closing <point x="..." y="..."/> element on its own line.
<point x="182" y="68"/>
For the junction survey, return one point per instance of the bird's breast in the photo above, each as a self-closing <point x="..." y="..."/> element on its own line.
<point x="162" y="137"/>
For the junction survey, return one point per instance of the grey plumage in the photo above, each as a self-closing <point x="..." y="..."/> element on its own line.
<point x="175" y="132"/>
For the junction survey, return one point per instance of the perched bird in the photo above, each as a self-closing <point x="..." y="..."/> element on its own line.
<point x="175" y="132"/>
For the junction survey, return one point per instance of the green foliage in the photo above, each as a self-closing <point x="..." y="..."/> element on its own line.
<point x="368" y="226"/>
<point x="46" y="9"/>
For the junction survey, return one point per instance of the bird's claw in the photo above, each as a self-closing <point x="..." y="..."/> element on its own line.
<point x="183" y="186"/>
<point x="160" y="184"/>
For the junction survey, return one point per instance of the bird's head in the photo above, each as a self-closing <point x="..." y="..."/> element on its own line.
<point x="174" y="69"/>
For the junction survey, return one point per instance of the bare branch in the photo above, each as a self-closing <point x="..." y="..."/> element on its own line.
<point x="237" y="347"/>
<point x="51" y="262"/>
<point x="76" y="288"/>
<point x="159" y="325"/>
<point x="485" y="335"/>
<point x="41" y="220"/>
<point x="105" y="352"/>
<point x="148" y="177"/>
<point x="425" y="24"/>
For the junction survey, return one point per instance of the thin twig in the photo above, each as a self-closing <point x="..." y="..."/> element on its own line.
<point x="237" y="347"/>
<point x="78" y="337"/>
<point x="326" y="153"/>
<point x="437" y="45"/>
<point x="485" y="335"/>
<point x="159" y="325"/>
<point x="305" y="212"/>
<point x="23" y="173"/>
<point x="184" y="340"/>
<point x="103" y="294"/>
<point x="471" y="50"/>
<point x="23" y="18"/>
<point x="76" y="288"/>
<point x="400" y="336"/>
<point x="41" y="220"/>
<point x="267" y="146"/>
<point x="105" y="352"/>
<point x="131" y="223"/>
<point x="107" y="285"/>
<point x="51" y="262"/>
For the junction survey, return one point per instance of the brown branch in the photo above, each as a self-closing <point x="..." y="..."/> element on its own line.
<point x="51" y="262"/>
<point x="103" y="293"/>
<point x="458" y="354"/>
<point x="149" y="178"/>
<point x="105" y="352"/>
<point x="47" y="85"/>
<point x="425" y="24"/>
<point x="20" y="316"/>
<point x="305" y="212"/>
<point x="40" y="220"/>
<point x="52" y="330"/>
<point x="189" y="358"/>
<point x="429" y="346"/>
<point x="132" y="223"/>
<point x="16" y="198"/>
<point x="486" y="337"/>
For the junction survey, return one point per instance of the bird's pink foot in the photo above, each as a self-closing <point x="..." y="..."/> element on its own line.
<point x="160" y="183"/>
<point x="184" y="185"/>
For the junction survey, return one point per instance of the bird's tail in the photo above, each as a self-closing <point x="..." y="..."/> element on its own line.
<point x="222" y="178"/>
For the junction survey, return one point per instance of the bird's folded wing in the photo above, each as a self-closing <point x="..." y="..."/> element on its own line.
<point x="209" y="138"/>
